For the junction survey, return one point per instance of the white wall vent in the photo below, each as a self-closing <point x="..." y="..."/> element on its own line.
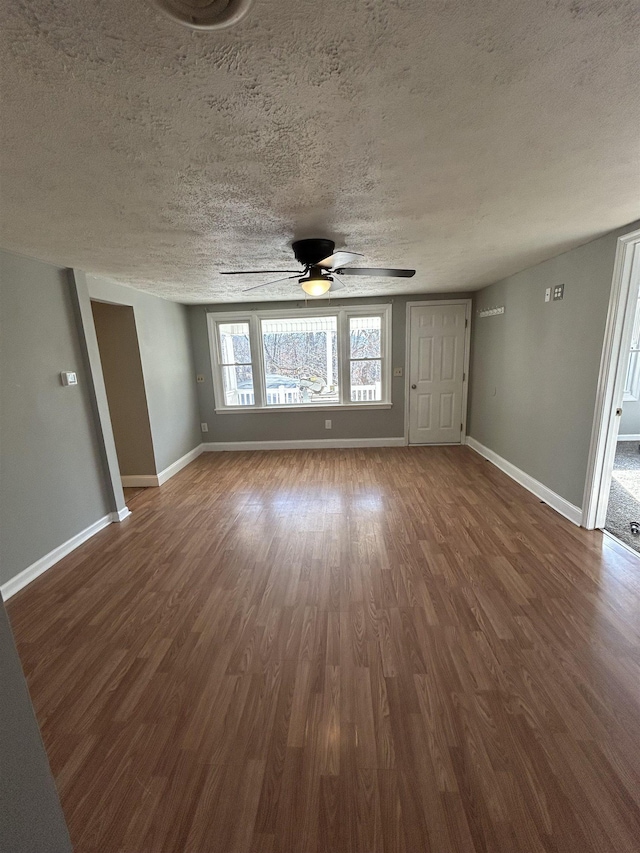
<point x="490" y="312"/>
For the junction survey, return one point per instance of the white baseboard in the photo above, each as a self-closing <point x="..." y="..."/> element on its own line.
<point x="633" y="437"/>
<point x="144" y="481"/>
<point x="179" y="464"/>
<point x="303" y="444"/>
<point x="555" y="501"/>
<point x="32" y="572"/>
<point x="40" y="566"/>
<point x="121" y="514"/>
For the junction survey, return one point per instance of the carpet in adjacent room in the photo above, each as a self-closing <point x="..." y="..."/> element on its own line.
<point x="624" y="498"/>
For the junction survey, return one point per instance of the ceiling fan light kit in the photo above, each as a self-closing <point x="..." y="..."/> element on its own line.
<point x="319" y="258"/>
<point x="317" y="284"/>
<point x="204" y="14"/>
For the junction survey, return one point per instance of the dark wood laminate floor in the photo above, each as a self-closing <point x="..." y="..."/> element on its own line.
<point x="131" y="491"/>
<point x="355" y="651"/>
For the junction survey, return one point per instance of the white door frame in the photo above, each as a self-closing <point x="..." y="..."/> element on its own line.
<point x="610" y="391"/>
<point x="423" y="303"/>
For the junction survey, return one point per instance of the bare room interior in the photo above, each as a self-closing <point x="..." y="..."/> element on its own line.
<point x="319" y="427"/>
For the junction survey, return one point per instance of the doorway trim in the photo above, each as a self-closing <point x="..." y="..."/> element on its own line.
<point x="422" y="303"/>
<point x="98" y="395"/>
<point x="610" y="389"/>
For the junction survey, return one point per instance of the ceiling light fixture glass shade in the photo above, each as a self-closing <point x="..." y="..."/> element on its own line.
<point x="205" y="14"/>
<point x="316" y="284"/>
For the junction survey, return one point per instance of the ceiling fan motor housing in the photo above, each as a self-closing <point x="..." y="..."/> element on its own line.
<point x="316" y="274"/>
<point x="310" y="252"/>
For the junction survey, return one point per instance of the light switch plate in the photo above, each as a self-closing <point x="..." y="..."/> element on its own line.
<point x="200" y="377"/>
<point x="68" y="377"/>
<point x="397" y="371"/>
<point x="547" y="295"/>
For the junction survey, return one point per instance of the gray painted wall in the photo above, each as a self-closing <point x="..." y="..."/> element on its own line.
<point x="167" y="365"/>
<point x="122" y="371"/>
<point x="31" y="820"/>
<point x="534" y="369"/>
<point x="51" y="474"/>
<point x="289" y="426"/>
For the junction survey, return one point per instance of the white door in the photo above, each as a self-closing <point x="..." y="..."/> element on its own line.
<point x="436" y="373"/>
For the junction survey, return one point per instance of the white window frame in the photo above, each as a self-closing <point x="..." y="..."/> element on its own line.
<point x="632" y="378"/>
<point x="343" y="315"/>
<point x="632" y="387"/>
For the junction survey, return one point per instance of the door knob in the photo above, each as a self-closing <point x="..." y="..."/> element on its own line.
<point x="414" y="387"/>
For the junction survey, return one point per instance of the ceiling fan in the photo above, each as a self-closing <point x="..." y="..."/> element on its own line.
<point x="322" y="265"/>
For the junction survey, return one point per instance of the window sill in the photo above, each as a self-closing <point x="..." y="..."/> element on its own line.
<point x="352" y="407"/>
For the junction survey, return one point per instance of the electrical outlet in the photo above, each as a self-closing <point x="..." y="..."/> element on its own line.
<point x="547" y="295"/>
<point x="204" y="427"/>
<point x="327" y="424"/>
<point x="397" y="371"/>
<point x="200" y="377"/>
<point x="558" y="292"/>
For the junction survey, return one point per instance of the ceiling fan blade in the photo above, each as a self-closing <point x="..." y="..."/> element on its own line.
<point x="338" y="259"/>
<point x="273" y="281"/>
<point x="374" y="271"/>
<point x="254" y="272"/>
<point x="337" y="284"/>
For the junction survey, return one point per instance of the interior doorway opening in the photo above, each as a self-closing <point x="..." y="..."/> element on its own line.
<point x="612" y="490"/>
<point x="117" y="337"/>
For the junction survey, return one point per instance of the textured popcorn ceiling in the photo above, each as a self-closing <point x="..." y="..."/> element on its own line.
<point x="468" y="139"/>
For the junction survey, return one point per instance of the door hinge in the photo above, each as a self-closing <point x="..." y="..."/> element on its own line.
<point x="466" y="322"/>
<point x="464" y="376"/>
<point x="460" y="427"/>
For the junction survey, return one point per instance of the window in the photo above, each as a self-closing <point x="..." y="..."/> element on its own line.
<point x="632" y="382"/>
<point x="365" y="369"/>
<point x="235" y="363"/>
<point x="301" y="358"/>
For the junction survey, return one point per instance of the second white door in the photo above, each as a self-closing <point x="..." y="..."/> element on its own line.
<point x="436" y="373"/>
